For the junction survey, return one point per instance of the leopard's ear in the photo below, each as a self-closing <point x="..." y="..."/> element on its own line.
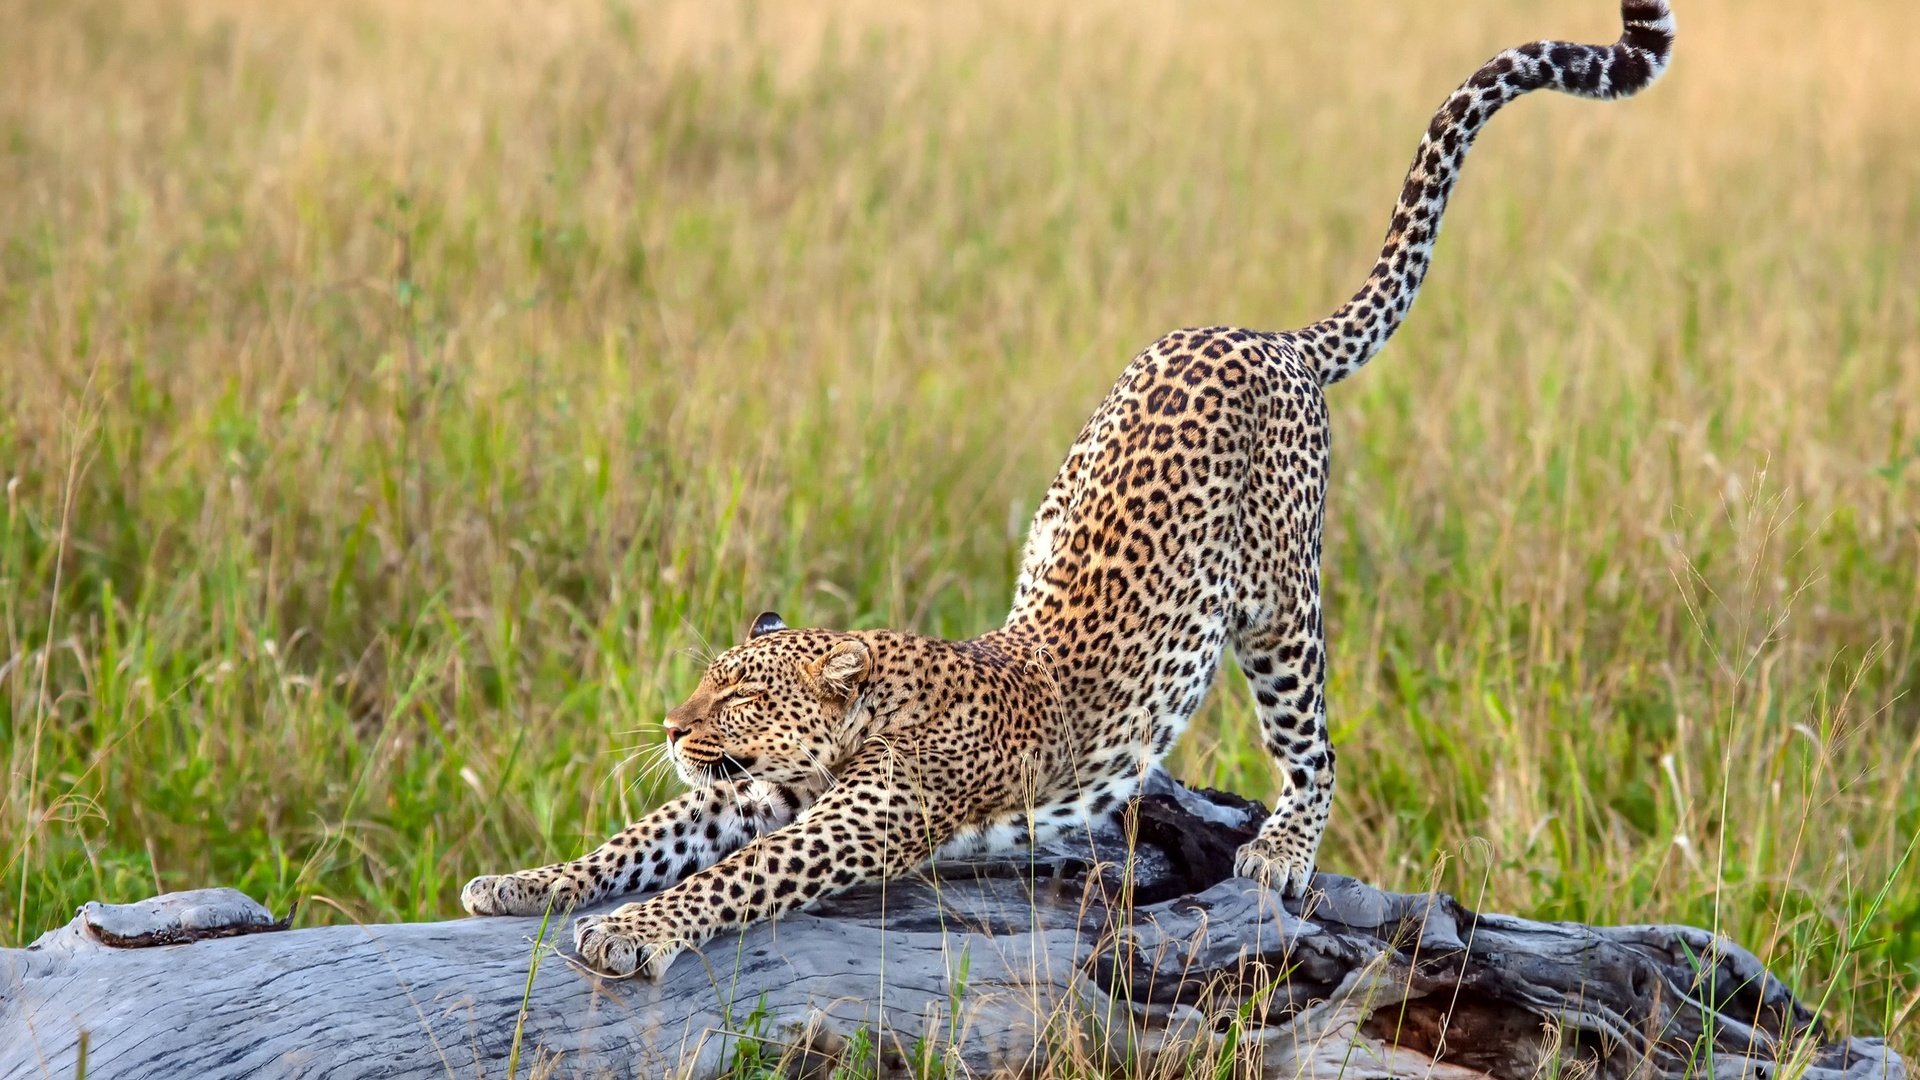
<point x="765" y="623"/>
<point x="841" y="673"/>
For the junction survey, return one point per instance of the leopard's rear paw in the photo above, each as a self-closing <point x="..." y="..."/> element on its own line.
<point x="1284" y="863"/>
<point x="517" y="894"/>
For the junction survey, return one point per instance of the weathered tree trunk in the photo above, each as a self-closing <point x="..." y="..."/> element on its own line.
<point x="1158" y="964"/>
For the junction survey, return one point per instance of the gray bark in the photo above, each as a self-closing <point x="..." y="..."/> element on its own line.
<point x="1142" y="959"/>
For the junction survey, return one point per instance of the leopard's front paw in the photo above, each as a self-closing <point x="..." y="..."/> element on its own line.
<point x="518" y="894"/>
<point x="1280" y="862"/>
<point x="629" y="940"/>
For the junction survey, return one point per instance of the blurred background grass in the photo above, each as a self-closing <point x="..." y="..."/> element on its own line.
<point x="394" y="397"/>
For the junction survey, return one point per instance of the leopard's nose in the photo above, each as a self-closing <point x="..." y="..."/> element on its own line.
<point x="673" y="730"/>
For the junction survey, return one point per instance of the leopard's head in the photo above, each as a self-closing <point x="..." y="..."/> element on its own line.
<point x="782" y="705"/>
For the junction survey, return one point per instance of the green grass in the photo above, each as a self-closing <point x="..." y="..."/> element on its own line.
<point x="394" y="399"/>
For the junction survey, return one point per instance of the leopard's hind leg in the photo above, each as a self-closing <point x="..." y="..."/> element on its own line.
<point x="1277" y="634"/>
<point x="1285" y="664"/>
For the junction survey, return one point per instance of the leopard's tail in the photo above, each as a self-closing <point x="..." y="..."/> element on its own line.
<point x="1338" y="344"/>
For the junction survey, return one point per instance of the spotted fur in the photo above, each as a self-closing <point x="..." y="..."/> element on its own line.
<point x="1185" y="520"/>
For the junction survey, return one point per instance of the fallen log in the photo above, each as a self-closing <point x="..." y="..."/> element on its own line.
<point x="1141" y="958"/>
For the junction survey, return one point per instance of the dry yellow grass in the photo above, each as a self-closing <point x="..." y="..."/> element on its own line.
<point x="417" y="383"/>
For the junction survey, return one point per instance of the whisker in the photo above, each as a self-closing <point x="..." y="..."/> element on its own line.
<point x="819" y="765"/>
<point x="704" y="643"/>
<point x="744" y="771"/>
<point x="652" y="777"/>
<point x="659" y="757"/>
<point x="630" y="749"/>
<point x="648" y="756"/>
<point x="655" y="764"/>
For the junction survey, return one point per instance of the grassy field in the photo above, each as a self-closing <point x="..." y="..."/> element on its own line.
<point x="395" y="398"/>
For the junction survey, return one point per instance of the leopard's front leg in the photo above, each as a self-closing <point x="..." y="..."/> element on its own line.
<point x="682" y="836"/>
<point x="858" y="832"/>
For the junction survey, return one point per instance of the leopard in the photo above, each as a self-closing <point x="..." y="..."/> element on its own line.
<point x="1185" y="521"/>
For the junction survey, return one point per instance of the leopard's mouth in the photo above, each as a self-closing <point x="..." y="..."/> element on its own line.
<point x="727" y="767"/>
